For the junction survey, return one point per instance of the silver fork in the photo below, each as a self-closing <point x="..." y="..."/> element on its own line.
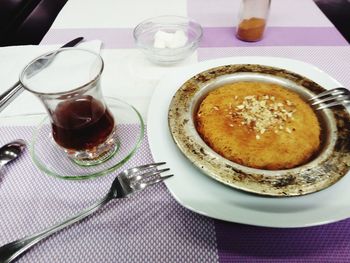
<point x="331" y="98"/>
<point x="127" y="183"/>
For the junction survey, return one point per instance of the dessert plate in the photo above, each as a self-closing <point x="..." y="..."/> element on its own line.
<point x="201" y="194"/>
<point x="327" y="166"/>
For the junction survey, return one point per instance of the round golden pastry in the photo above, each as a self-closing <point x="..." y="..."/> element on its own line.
<point x="259" y="125"/>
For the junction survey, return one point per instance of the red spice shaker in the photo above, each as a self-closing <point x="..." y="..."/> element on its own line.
<point x="252" y="19"/>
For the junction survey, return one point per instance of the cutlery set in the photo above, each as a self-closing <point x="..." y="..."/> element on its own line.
<point x="127" y="183"/>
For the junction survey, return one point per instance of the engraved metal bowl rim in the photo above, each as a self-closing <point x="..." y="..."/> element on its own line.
<point x="271" y="178"/>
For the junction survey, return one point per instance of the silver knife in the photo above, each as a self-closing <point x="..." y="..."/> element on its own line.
<point x="13" y="92"/>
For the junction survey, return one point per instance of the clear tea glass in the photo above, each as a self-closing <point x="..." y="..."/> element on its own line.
<point x="67" y="82"/>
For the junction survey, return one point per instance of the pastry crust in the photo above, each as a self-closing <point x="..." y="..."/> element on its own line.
<point x="259" y="125"/>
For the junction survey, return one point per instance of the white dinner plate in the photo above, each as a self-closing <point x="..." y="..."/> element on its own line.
<point x="205" y="196"/>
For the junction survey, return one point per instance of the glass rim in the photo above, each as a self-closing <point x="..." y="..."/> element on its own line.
<point x="54" y="52"/>
<point x="155" y="19"/>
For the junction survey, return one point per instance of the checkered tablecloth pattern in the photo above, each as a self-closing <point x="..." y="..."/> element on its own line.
<point x="148" y="227"/>
<point x="152" y="226"/>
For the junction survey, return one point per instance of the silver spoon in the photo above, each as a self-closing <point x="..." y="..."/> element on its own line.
<point x="11" y="151"/>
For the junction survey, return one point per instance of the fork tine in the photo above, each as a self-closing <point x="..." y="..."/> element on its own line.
<point x="330" y="98"/>
<point x="332" y="104"/>
<point x="145" y="166"/>
<point x="333" y="92"/>
<point x="148" y="174"/>
<point x="157" y="180"/>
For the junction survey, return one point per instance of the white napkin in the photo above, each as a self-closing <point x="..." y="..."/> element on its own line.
<point x="12" y="60"/>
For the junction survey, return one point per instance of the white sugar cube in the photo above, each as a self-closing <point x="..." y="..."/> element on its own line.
<point x="159" y="43"/>
<point x="179" y="39"/>
<point x="167" y="37"/>
<point x="170" y="40"/>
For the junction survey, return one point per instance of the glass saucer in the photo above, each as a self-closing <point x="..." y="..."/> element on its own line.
<point x="52" y="160"/>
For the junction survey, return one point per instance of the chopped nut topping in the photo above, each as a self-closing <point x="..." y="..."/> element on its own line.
<point x="262" y="113"/>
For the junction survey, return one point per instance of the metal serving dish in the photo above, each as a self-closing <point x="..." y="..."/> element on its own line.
<point x="330" y="164"/>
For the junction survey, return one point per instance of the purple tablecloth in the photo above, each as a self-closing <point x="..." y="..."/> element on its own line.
<point x="148" y="227"/>
<point x="152" y="227"/>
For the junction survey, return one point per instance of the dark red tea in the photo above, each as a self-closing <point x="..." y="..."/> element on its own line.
<point x="81" y="123"/>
